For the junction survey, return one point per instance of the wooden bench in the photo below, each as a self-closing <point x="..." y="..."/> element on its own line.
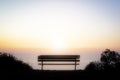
<point x="47" y="59"/>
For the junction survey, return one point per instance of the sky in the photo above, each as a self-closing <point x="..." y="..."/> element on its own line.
<point x="59" y="23"/>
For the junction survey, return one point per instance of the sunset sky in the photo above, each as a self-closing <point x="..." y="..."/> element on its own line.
<point x="59" y="24"/>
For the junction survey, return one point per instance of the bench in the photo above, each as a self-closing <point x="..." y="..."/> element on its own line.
<point x="69" y="59"/>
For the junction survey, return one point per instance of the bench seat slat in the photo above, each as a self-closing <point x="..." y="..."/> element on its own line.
<point x="58" y="64"/>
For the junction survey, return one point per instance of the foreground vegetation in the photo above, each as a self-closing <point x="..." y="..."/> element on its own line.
<point x="107" y="68"/>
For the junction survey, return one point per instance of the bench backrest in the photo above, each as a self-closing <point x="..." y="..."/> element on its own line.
<point x="58" y="57"/>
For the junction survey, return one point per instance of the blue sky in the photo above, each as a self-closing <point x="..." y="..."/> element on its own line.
<point x="110" y="8"/>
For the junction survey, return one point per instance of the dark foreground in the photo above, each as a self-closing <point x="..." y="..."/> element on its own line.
<point x="107" y="69"/>
<point x="61" y="75"/>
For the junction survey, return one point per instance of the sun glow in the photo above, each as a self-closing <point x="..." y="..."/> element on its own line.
<point x="58" y="43"/>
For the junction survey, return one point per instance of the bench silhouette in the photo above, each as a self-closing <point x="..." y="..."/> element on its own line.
<point x="72" y="59"/>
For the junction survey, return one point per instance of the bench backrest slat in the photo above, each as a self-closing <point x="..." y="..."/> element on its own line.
<point x="59" y="57"/>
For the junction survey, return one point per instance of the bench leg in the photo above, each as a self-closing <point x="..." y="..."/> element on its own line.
<point x="75" y="64"/>
<point x="42" y="65"/>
